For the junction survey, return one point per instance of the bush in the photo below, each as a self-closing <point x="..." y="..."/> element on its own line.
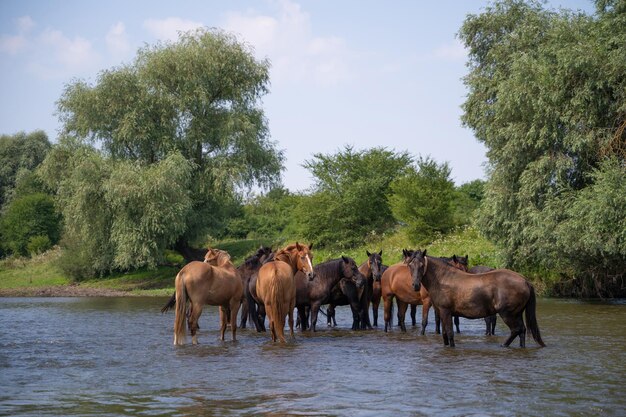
<point x="38" y="244"/>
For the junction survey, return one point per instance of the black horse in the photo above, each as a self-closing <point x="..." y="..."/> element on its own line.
<point x="317" y="291"/>
<point x="246" y="270"/>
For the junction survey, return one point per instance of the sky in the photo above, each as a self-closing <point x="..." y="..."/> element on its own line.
<point x="344" y="73"/>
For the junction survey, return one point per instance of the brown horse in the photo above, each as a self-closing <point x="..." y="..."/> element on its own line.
<point x="246" y="270"/>
<point x="477" y="295"/>
<point x="490" y="321"/>
<point x="214" y="282"/>
<point x="396" y="282"/>
<point x="276" y="287"/>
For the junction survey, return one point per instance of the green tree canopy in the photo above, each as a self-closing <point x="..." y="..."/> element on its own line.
<point x="422" y="200"/>
<point x="349" y="199"/>
<point x="20" y="154"/>
<point x="198" y="99"/>
<point x="547" y="96"/>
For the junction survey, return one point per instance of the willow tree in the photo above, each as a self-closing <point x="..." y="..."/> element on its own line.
<point x="547" y="97"/>
<point x="200" y="98"/>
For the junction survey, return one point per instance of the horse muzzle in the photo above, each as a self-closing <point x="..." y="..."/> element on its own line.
<point x="310" y="275"/>
<point x="416" y="287"/>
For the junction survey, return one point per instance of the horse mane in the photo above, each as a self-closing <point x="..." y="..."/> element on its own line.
<point x="327" y="267"/>
<point x="285" y="252"/>
<point x="223" y="259"/>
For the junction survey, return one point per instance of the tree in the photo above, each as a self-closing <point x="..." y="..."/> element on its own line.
<point x="20" y="154"/>
<point x="422" y="200"/>
<point x="467" y="199"/>
<point x="198" y="98"/>
<point x="547" y="97"/>
<point x="349" y="201"/>
<point x="27" y="220"/>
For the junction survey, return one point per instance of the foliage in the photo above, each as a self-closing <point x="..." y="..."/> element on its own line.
<point x="267" y="216"/>
<point x="120" y="214"/>
<point x="547" y="96"/>
<point x="422" y="200"/>
<point x="27" y="217"/>
<point x="198" y="98"/>
<point x="349" y="200"/>
<point x="466" y="200"/>
<point x="19" y="154"/>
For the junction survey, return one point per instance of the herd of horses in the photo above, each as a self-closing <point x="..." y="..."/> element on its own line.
<point x="273" y="285"/>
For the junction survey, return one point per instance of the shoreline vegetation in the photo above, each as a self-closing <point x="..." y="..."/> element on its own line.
<point x="41" y="276"/>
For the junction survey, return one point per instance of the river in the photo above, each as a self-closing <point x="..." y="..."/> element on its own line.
<point x="115" y="357"/>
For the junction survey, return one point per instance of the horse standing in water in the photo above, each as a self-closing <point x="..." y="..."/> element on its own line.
<point x="213" y="282"/>
<point x="246" y="270"/>
<point x="313" y="292"/>
<point x="276" y="287"/>
<point x="477" y="295"/>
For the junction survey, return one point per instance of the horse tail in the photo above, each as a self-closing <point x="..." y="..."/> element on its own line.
<point x="181" y="303"/>
<point x="531" y="317"/>
<point x="253" y="313"/>
<point x="275" y="306"/>
<point x="171" y="303"/>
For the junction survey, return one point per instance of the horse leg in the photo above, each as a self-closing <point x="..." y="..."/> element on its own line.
<point x="330" y="316"/>
<point x="516" y="324"/>
<point x="194" y="315"/>
<point x="494" y="318"/>
<point x="387" y="307"/>
<point x="234" y="309"/>
<point x="223" y="321"/>
<point x="375" y="304"/>
<point x="315" y="307"/>
<point x="290" y="321"/>
<point x="425" y="308"/>
<point x="447" y="330"/>
<point x="456" y="324"/>
<point x="437" y="320"/>
<point x="413" y="313"/>
<point x="244" y="314"/>
<point x="302" y="318"/>
<point x="402" y="306"/>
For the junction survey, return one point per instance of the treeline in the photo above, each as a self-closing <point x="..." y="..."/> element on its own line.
<point x="155" y="154"/>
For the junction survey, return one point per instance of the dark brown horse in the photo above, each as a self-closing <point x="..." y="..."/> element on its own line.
<point x="350" y="292"/>
<point x="477" y="295"/>
<point x="317" y="291"/>
<point x="246" y="270"/>
<point x="276" y="287"/>
<point x="490" y="321"/>
<point x="213" y="282"/>
<point x="372" y="270"/>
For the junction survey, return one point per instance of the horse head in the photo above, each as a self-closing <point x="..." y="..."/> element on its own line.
<point x="217" y="257"/>
<point x="263" y="253"/>
<point x="406" y="254"/>
<point x="305" y="260"/>
<point x="417" y="264"/>
<point x="461" y="262"/>
<point x="375" y="263"/>
<point x="351" y="270"/>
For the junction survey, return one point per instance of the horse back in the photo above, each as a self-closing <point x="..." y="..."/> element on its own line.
<point x="209" y="284"/>
<point x="400" y="283"/>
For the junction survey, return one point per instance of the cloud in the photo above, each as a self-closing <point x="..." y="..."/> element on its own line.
<point x="451" y="51"/>
<point x="13" y="44"/>
<point x="59" y="56"/>
<point x="167" y="29"/>
<point x="286" y="38"/>
<point x="117" y="41"/>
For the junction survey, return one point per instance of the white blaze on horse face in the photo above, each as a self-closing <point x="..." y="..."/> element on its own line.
<point x="309" y="261"/>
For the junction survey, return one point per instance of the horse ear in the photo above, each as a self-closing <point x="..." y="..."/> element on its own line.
<point x="380" y="253"/>
<point x="404" y="252"/>
<point x="298" y="246"/>
<point x="346" y="260"/>
<point x="424" y="254"/>
<point x="311" y="246"/>
<point x="368" y="253"/>
<point x="454" y="258"/>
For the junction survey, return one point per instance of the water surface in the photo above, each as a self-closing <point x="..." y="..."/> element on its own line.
<point x="114" y="357"/>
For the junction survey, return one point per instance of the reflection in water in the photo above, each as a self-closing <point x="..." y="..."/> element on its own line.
<point x="114" y="356"/>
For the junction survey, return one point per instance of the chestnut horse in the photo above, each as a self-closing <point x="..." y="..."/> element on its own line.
<point x="214" y="282"/>
<point x="276" y="287"/>
<point x="477" y="295"/>
<point x="396" y="282"/>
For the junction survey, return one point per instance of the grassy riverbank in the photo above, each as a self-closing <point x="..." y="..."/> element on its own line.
<point x="41" y="275"/>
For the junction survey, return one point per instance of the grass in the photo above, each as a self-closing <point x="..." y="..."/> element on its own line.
<point x="42" y="270"/>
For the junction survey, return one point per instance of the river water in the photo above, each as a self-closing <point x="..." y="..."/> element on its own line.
<point x="115" y="357"/>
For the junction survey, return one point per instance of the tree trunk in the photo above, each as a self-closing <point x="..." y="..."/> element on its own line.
<point x="189" y="253"/>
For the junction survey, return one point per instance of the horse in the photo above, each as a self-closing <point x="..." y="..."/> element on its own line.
<point x="477" y="295"/>
<point x="490" y="321"/>
<point x="350" y="292"/>
<point x="276" y="287"/>
<point x="372" y="270"/>
<point x="315" y="292"/>
<point x="212" y="282"/>
<point x="246" y="270"/>
<point x="461" y="263"/>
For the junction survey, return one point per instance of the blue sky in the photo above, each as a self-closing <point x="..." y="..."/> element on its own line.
<point x="360" y="73"/>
